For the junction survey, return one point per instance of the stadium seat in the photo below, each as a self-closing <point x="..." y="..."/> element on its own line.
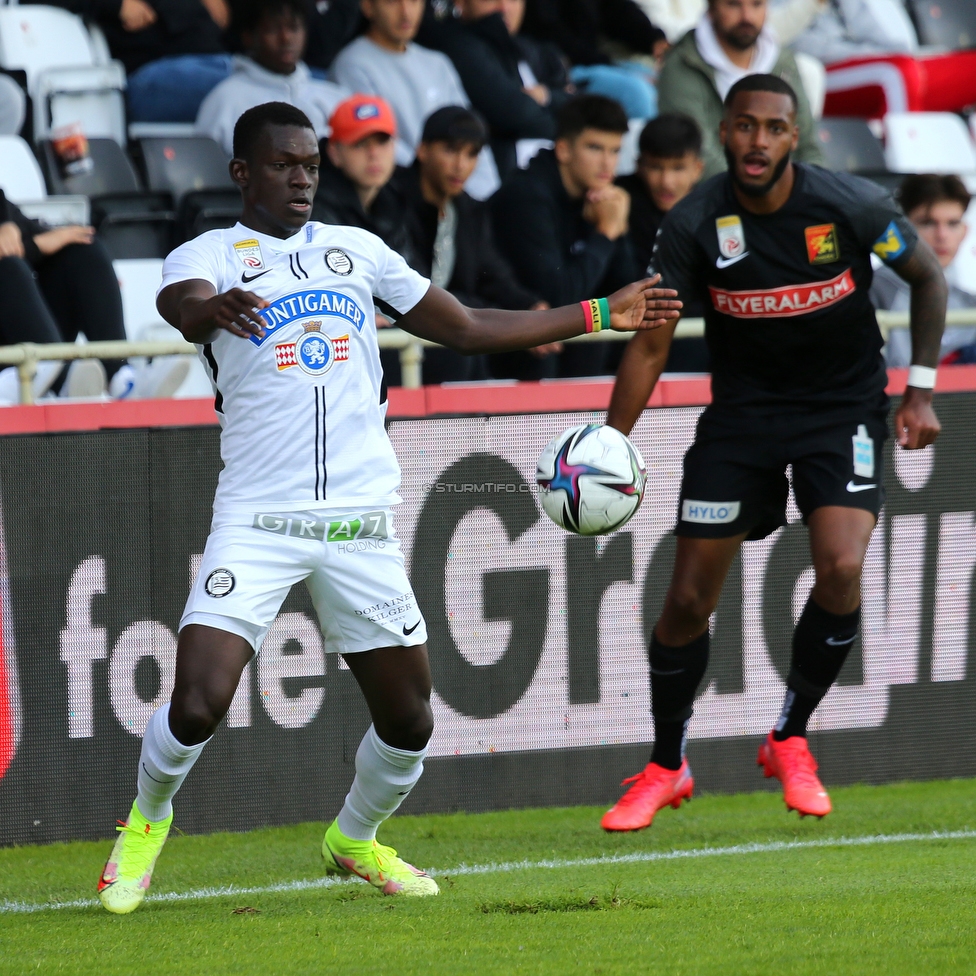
<point x="849" y="146"/>
<point x="928" y="142"/>
<point x="181" y="166"/>
<point x="945" y="23"/>
<point x="130" y="222"/>
<point x="23" y="183"/>
<point x="65" y="77"/>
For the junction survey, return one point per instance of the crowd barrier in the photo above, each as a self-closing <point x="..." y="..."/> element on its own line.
<point x="26" y="355"/>
<point x="537" y="637"/>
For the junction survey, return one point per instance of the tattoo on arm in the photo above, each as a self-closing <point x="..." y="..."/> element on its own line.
<point x="928" y="304"/>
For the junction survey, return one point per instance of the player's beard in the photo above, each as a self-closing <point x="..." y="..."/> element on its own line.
<point x="756" y="189"/>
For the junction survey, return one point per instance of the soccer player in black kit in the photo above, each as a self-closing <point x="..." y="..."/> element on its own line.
<point x="779" y="252"/>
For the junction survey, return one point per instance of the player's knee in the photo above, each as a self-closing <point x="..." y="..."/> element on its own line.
<point x="411" y="728"/>
<point x="690" y="605"/>
<point x="839" y="570"/>
<point x="195" y="715"/>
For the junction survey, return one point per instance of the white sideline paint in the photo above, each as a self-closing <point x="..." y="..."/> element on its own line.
<point x="505" y="867"/>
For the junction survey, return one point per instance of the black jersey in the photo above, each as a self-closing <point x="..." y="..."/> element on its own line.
<point x="787" y="316"/>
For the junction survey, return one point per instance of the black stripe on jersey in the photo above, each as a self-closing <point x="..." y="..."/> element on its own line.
<point x="387" y="309"/>
<point x="316" y="389"/>
<point x="325" y="467"/>
<point x="212" y="360"/>
<point x="298" y="261"/>
<point x="291" y="264"/>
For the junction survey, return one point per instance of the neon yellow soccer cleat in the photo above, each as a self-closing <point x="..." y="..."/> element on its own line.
<point x="374" y="863"/>
<point x="126" y="877"/>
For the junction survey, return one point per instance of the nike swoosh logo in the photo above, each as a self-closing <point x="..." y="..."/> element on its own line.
<point x="247" y="279"/>
<point x="665" y="673"/>
<point x="834" y="642"/>
<point x="852" y="487"/>
<point x="407" y="631"/>
<point x="725" y="262"/>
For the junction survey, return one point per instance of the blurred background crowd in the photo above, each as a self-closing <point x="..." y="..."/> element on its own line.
<point x="520" y="153"/>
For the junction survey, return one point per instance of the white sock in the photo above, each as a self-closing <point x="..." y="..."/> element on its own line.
<point x="163" y="766"/>
<point x="384" y="777"/>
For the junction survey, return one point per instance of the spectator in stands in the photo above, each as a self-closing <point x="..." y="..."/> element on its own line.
<point x="583" y="29"/>
<point x="875" y="66"/>
<point x="668" y="166"/>
<point x="542" y="66"/>
<point x="730" y="41"/>
<point x="13" y="106"/>
<point x="355" y="181"/>
<point x="562" y="224"/>
<point x="787" y="18"/>
<point x="273" y="33"/>
<point x="53" y="285"/>
<point x="453" y="242"/>
<point x="487" y="61"/>
<point x="172" y="50"/>
<point x="937" y="206"/>
<point x="413" y="80"/>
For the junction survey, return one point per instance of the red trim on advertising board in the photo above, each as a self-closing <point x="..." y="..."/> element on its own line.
<point x="430" y="401"/>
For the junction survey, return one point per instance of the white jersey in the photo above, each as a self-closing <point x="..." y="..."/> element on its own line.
<point x="300" y="409"/>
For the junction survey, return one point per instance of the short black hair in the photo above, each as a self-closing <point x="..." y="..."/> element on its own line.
<point x="761" y="83"/>
<point x="247" y="14"/>
<point x="671" y="136"/>
<point x="455" y="125"/>
<point x="927" y="189"/>
<point x="590" y="112"/>
<point x="250" y="126"/>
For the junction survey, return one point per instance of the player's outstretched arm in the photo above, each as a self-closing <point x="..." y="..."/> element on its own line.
<point x="195" y="308"/>
<point x="440" y="317"/>
<point x="916" y="424"/>
<point x="641" y="366"/>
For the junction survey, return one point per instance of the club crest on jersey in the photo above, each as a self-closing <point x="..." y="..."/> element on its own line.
<point x="338" y="262"/>
<point x="314" y="353"/>
<point x="731" y="236"/>
<point x="822" y="244"/>
<point x="249" y="253"/>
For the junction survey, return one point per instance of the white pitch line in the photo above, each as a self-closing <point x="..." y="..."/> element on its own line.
<point x="638" y="857"/>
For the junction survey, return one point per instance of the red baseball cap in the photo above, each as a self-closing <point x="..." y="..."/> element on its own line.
<point x="361" y="116"/>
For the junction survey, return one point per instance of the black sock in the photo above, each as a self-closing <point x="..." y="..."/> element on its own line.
<point x="676" y="673"/>
<point x="821" y="643"/>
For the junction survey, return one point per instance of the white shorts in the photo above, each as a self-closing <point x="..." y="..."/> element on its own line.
<point x="351" y="564"/>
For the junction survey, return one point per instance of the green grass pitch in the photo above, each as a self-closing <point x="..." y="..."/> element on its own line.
<point x="728" y="885"/>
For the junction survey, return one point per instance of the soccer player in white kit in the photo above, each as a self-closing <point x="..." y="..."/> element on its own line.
<point x="281" y="310"/>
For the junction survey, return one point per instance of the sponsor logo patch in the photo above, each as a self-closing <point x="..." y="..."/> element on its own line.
<point x="249" y="253"/>
<point x="890" y="245"/>
<point x="314" y="353"/>
<point x="731" y="236"/>
<point x="783" y="302"/>
<point x="863" y="453"/>
<point x="709" y="513"/>
<point x="219" y="583"/>
<point x="303" y="305"/>
<point x="368" y="526"/>
<point x="337" y="261"/>
<point x="822" y="247"/>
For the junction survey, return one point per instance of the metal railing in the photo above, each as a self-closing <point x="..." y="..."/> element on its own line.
<point x="27" y="355"/>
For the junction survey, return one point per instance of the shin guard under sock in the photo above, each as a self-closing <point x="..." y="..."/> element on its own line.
<point x="821" y="643"/>
<point x="676" y="673"/>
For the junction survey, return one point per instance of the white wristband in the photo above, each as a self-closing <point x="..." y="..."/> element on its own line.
<point x="921" y="377"/>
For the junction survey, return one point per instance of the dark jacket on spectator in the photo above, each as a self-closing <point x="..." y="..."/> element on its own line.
<point x="645" y="218"/>
<point x="10" y="213"/>
<point x="554" y="252"/>
<point x="486" y="57"/>
<point x="181" y="27"/>
<point x="337" y="202"/>
<point x="482" y="278"/>
<point x="549" y="67"/>
<point x="576" y="27"/>
<point x="540" y="229"/>
<point x="329" y="32"/>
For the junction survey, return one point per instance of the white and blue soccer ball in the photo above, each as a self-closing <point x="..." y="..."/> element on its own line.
<point x="592" y="479"/>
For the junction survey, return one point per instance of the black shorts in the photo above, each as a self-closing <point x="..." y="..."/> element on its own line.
<point x="735" y="472"/>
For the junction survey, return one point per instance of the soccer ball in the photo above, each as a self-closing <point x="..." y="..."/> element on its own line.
<point x="592" y="479"/>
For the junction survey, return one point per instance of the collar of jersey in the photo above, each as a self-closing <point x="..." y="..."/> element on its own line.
<point x="275" y="244"/>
